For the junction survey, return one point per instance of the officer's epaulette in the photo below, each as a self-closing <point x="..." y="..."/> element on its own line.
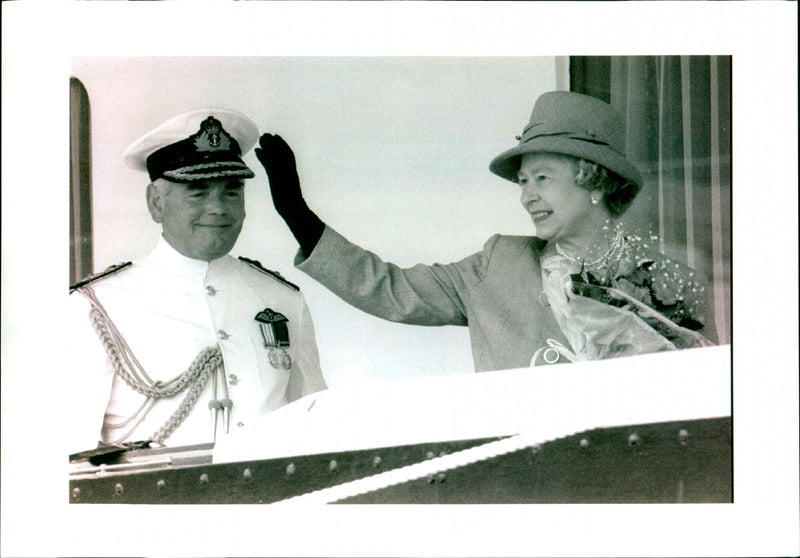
<point x="111" y="270"/>
<point x="274" y="274"/>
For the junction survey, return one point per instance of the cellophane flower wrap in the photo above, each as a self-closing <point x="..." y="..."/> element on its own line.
<point x="642" y="302"/>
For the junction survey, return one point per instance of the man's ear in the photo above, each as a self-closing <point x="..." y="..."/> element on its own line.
<point x="155" y="202"/>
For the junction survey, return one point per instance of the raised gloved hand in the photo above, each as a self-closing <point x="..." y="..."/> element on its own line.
<point x="278" y="160"/>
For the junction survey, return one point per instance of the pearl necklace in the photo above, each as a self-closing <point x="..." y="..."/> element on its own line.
<point x="617" y="245"/>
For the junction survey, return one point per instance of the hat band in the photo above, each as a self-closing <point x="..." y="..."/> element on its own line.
<point x="589" y="138"/>
<point x="209" y="171"/>
<point x="184" y="153"/>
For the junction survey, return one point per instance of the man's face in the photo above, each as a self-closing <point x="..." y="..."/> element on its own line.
<point x="559" y="208"/>
<point x="201" y="220"/>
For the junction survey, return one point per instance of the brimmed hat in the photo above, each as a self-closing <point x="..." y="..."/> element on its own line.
<point x="199" y="145"/>
<point x="571" y="124"/>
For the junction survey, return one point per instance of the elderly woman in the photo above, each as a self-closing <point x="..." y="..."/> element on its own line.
<point x="578" y="290"/>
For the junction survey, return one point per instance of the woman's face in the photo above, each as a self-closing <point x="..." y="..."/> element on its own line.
<point x="560" y="209"/>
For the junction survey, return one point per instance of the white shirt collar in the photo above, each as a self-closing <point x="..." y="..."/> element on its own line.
<point x="166" y="257"/>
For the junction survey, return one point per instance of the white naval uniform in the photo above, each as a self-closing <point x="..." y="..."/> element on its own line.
<point x="168" y="308"/>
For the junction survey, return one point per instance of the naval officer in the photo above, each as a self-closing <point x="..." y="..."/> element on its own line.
<point x="189" y="342"/>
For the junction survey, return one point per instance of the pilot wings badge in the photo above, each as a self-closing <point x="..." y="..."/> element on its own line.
<point x="275" y="329"/>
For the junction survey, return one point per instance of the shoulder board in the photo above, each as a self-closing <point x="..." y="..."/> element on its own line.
<point x="111" y="270"/>
<point x="274" y="274"/>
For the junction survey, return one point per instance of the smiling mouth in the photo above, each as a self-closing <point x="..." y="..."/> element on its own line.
<point x="541" y="214"/>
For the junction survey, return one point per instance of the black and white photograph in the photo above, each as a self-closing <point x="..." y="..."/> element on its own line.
<point x="362" y="292"/>
<point x="643" y="255"/>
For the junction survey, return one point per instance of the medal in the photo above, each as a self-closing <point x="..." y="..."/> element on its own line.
<point x="280" y="358"/>
<point x="274" y="358"/>
<point x="275" y="330"/>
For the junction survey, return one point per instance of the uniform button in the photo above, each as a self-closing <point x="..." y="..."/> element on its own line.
<point x="211" y="290"/>
<point x="222" y="334"/>
<point x="239" y="424"/>
<point x="233" y="379"/>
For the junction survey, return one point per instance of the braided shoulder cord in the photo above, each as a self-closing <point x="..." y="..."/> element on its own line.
<point x="208" y="361"/>
<point x="124" y="361"/>
<point x="127" y="366"/>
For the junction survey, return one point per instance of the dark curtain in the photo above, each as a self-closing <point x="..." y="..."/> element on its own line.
<point x="679" y="135"/>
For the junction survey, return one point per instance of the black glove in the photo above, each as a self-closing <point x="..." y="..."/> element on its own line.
<point x="277" y="159"/>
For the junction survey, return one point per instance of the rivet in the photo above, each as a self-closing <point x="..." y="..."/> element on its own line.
<point x="204" y="479"/>
<point x="332" y="466"/>
<point x="518" y="138"/>
<point x="584" y="443"/>
<point x="290" y="469"/>
<point x="247" y="475"/>
<point x="222" y="334"/>
<point x="118" y="489"/>
<point x="430" y="455"/>
<point x="161" y="485"/>
<point x="233" y="379"/>
<point x="441" y="477"/>
<point x="211" y="290"/>
<point x="239" y="424"/>
<point x="683" y="436"/>
<point x="376" y="461"/>
<point x="76" y="493"/>
<point x="633" y="439"/>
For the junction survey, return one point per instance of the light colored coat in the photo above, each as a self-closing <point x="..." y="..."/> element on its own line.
<point x="495" y="292"/>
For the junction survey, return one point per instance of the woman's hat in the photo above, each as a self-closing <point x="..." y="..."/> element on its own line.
<point x="203" y="144"/>
<point x="571" y="124"/>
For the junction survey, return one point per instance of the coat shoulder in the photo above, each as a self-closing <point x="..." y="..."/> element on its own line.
<point x="108" y="272"/>
<point x="516" y="245"/>
<point x="255" y="264"/>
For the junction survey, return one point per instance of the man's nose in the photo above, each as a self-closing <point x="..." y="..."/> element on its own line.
<point x="215" y="202"/>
